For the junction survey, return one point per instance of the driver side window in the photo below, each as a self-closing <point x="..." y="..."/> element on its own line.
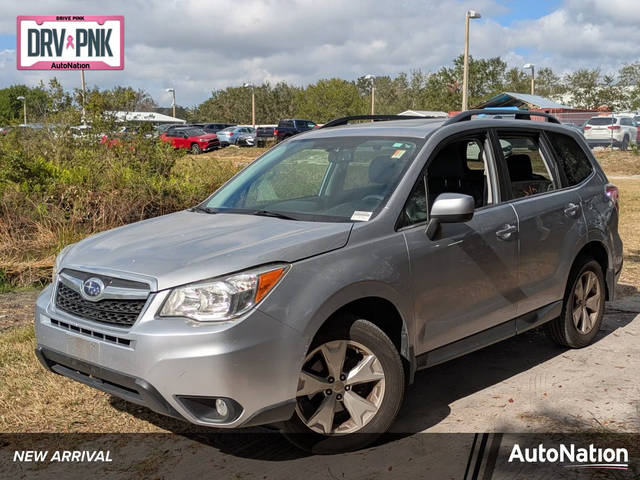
<point x="460" y="166"/>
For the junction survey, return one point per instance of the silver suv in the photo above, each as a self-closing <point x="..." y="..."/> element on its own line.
<point x="308" y="290"/>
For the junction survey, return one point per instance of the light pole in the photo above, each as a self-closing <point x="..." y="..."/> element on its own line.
<point x="373" y="92"/>
<point x="533" y="76"/>
<point x="172" y="91"/>
<point x="253" y="104"/>
<point x="465" y="74"/>
<point x="24" y="107"/>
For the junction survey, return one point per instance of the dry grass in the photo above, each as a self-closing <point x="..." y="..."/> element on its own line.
<point x="629" y="231"/>
<point x="617" y="163"/>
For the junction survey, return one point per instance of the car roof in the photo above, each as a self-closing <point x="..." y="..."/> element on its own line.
<point x="424" y="127"/>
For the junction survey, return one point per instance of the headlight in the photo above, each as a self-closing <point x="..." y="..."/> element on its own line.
<point x="58" y="263"/>
<point x="223" y="298"/>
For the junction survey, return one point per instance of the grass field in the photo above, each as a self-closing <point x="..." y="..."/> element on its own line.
<point x="29" y="395"/>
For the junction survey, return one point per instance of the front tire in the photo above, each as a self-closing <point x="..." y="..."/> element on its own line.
<point x="349" y="391"/>
<point x="583" y="307"/>
<point x="195" y="149"/>
<point x="625" y="143"/>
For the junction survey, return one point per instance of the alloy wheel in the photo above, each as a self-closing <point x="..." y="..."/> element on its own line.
<point x="587" y="298"/>
<point x="340" y="388"/>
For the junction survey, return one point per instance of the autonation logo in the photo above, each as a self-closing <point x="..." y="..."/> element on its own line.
<point x="572" y="456"/>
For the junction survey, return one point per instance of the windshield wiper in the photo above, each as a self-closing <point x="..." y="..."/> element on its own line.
<point x="200" y="208"/>
<point x="269" y="213"/>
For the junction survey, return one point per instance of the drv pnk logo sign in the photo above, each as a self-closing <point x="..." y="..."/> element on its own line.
<point x="70" y="42"/>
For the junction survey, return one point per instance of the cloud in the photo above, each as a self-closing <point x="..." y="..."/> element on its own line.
<point x="198" y="46"/>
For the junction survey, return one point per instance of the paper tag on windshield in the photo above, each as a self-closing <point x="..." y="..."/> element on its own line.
<point x="398" y="153"/>
<point x="360" y="216"/>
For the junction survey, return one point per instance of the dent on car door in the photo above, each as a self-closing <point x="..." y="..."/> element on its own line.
<point x="463" y="279"/>
<point x="551" y="224"/>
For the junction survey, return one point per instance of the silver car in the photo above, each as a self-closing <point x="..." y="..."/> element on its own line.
<point x="308" y="290"/>
<point x="237" y="136"/>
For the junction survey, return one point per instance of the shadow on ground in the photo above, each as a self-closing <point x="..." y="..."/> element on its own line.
<point x="426" y="401"/>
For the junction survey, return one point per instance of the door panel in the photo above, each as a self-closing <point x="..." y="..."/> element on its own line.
<point x="465" y="280"/>
<point x="551" y="228"/>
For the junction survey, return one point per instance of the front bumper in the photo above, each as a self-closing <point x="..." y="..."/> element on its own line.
<point x="160" y="362"/>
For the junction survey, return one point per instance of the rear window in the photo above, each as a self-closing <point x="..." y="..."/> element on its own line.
<point x="601" y="121"/>
<point x="571" y="158"/>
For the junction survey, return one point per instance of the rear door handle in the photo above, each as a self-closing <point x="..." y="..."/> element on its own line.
<point x="507" y="232"/>
<point x="572" y="210"/>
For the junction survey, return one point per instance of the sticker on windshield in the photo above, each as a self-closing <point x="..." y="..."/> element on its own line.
<point x="398" y="145"/>
<point x="398" y="153"/>
<point x="360" y="216"/>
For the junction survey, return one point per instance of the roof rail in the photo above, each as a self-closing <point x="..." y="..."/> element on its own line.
<point x="519" y="115"/>
<point x="376" y="118"/>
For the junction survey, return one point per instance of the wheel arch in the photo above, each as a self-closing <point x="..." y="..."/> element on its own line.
<point x="373" y="303"/>
<point x="598" y="251"/>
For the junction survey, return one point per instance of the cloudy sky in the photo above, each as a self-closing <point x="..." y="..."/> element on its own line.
<point x="197" y="45"/>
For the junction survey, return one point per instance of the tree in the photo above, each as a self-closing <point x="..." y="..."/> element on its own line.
<point x="329" y="99"/>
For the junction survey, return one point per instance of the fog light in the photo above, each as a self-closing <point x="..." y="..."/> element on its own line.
<point x="221" y="407"/>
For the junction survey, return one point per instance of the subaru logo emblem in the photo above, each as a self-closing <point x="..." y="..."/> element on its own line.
<point x="92" y="287"/>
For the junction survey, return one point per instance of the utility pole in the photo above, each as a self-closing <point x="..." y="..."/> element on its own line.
<point x="533" y="76"/>
<point x="465" y="73"/>
<point x="84" y="112"/>
<point x="24" y="107"/>
<point x="172" y="91"/>
<point x="373" y="92"/>
<point x="253" y="103"/>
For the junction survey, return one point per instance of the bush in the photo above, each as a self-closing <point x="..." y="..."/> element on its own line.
<point x="55" y="190"/>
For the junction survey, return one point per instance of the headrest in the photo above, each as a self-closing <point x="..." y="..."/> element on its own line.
<point x="519" y="167"/>
<point x="448" y="163"/>
<point x="383" y="168"/>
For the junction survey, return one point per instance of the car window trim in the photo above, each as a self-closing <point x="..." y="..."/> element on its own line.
<point x="456" y="136"/>
<point x="556" y="154"/>
<point x="547" y="156"/>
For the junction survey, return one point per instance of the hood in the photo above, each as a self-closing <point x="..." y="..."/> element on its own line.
<point x="186" y="246"/>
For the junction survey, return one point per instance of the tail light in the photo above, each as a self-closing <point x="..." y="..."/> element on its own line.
<point x="614" y="127"/>
<point x="611" y="191"/>
<point x="231" y="134"/>
<point x="275" y="132"/>
<point x="587" y="127"/>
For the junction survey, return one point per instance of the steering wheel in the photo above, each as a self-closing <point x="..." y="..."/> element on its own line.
<point x="369" y="198"/>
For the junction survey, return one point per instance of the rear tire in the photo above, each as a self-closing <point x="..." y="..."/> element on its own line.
<point x="354" y="422"/>
<point x="195" y="149"/>
<point x="583" y="306"/>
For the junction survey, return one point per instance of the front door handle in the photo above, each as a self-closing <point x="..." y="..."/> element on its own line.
<point x="507" y="233"/>
<point x="572" y="210"/>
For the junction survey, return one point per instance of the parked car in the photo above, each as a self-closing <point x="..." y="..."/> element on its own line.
<point x="160" y="129"/>
<point x="213" y="127"/>
<point x="237" y="135"/>
<point x="308" y="290"/>
<point x="265" y="134"/>
<point x="289" y="127"/>
<point x="5" y="130"/>
<point x="618" y="131"/>
<point x="191" y="138"/>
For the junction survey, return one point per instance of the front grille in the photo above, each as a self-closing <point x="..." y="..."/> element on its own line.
<point x="91" y="333"/>
<point x="117" y="312"/>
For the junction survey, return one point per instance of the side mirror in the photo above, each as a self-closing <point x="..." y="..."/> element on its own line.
<point x="450" y="208"/>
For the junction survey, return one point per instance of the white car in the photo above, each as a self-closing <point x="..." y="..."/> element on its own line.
<point x="616" y="130"/>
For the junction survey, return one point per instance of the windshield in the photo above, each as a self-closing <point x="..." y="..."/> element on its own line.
<point x="328" y="179"/>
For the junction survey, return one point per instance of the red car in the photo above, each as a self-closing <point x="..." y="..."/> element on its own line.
<point x="191" y="138"/>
